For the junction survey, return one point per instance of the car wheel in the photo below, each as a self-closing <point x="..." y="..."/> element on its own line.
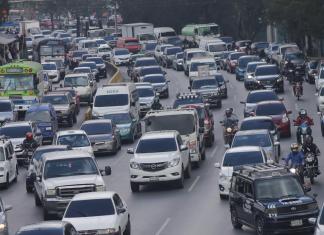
<point x="180" y="182"/>
<point x="234" y="219"/>
<point x="38" y="202"/>
<point x="322" y="130"/>
<point x="260" y="226"/>
<point x="128" y="228"/>
<point x="223" y="197"/>
<point x="135" y="187"/>
<point x="29" y="189"/>
<point x="203" y="155"/>
<point x="188" y="170"/>
<point x="70" y="121"/>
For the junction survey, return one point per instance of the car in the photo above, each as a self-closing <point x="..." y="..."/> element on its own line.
<point x="83" y="83"/>
<point x="86" y="210"/>
<point x="254" y="97"/>
<point x="320" y="223"/>
<point x="187" y="99"/>
<point x="76" y="56"/>
<point x="253" y="202"/>
<point x="200" y="67"/>
<point x="44" y="116"/>
<point x="48" y="227"/>
<point x="232" y="60"/>
<point x="64" y="106"/>
<point x="146" y="96"/>
<point x="101" y="66"/>
<point x="319" y="79"/>
<point x="168" y="55"/>
<point x="93" y="67"/>
<point x="221" y="85"/>
<point x="159" y="156"/>
<point x="311" y="71"/>
<point x="262" y="138"/>
<point x="249" y="73"/>
<point x="103" y="135"/>
<point x="35" y="160"/>
<point x="273" y="48"/>
<point x="104" y="51"/>
<point x="242" y="44"/>
<point x="74" y="93"/>
<point x="320" y="100"/>
<point x="89" y="44"/>
<point x="242" y="63"/>
<point x="297" y="58"/>
<point x="147" y="70"/>
<point x="61" y="176"/>
<point x="279" y="114"/>
<point x="268" y="77"/>
<point x="77" y="139"/>
<point x="188" y="54"/>
<point x="52" y="71"/>
<point x="223" y="60"/>
<point x="16" y="132"/>
<point x="258" y="47"/>
<point x="86" y="56"/>
<point x="148" y="48"/>
<point x="7" y="111"/>
<point x="3" y="218"/>
<point x="59" y="65"/>
<point x="177" y="62"/>
<point x="234" y="158"/>
<point x="209" y="90"/>
<point x="129" y="126"/>
<point x="158" y="52"/>
<point x="159" y="83"/>
<point x="120" y="56"/>
<point x="140" y="62"/>
<point x="8" y="164"/>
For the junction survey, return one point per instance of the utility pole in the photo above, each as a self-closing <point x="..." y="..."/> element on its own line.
<point x="115" y="12"/>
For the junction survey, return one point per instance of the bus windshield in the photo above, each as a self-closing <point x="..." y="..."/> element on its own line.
<point x="52" y="50"/>
<point x="16" y="82"/>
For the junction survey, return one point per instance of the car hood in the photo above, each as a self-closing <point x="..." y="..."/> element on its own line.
<point x="82" y="90"/>
<point x="298" y="62"/>
<point x="92" y="223"/>
<point x="52" y="183"/>
<point x="206" y="90"/>
<point x="122" y="126"/>
<point x="61" y="107"/>
<point x="50" y="72"/>
<point x="267" y="77"/>
<point x="122" y="56"/>
<point x="98" y="138"/>
<point x="291" y="201"/>
<point x="155" y="157"/>
<point x="110" y="109"/>
<point x="6" y="115"/>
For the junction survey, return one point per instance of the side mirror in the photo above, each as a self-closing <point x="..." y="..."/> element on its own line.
<point x="289" y="112"/>
<point x="121" y="210"/>
<point x="217" y="165"/>
<point x="315" y="195"/>
<point x="8" y="208"/>
<point x="183" y="148"/>
<point x="107" y="170"/>
<point x="168" y="81"/>
<point x="130" y="151"/>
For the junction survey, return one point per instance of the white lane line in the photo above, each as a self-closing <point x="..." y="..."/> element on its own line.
<point x="194" y="184"/>
<point x="167" y="221"/>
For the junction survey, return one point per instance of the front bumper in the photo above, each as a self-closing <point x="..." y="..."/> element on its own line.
<point x="56" y="206"/>
<point x="63" y="117"/>
<point x="148" y="177"/>
<point x="213" y="101"/>
<point x="101" y="147"/>
<point x="2" y="178"/>
<point x="276" y="85"/>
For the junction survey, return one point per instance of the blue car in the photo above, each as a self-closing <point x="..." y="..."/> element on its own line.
<point x="242" y="64"/>
<point x="45" y="117"/>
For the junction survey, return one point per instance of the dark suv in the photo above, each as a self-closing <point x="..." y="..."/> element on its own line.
<point x="270" y="199"/>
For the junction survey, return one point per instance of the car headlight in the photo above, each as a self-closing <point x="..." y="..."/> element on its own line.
<point x="272" y="212"/>
<point x="50" y="192"/>
<point x="174" y="162"/>
<point x="100" y="188"/>
<point x="2" y="227"/>
<point x="259" y="82"/>
<point x="106" y="231"/>
<point x="250" y="76"/>
<point x="134" y="165"/>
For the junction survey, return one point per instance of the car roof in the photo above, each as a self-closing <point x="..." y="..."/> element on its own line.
<point x="145" y="58"/>
<point x="270" y="102"/>
<point x="203" y="59"/>
<point x="159" y="134"/>
<point x="46" y="225"/>
<point x="190" y="50"/>
<point x="93" y="195"/>
<point x="256" y="62"/>
<point x="243" y="149"/>
<point x="256" y="118"/>
<point x="39" y="107"/>
<point x="71" y="75"/>
<point x="252" y="132"/>
<point x="154" y="75"/>
<point x="50" y="62"/>
<point x="68" y="154"/>
<point x="62" y="93"/>
<point x="71" y="132"/>
<point x="260" y="91"/>
<point x="51" y="147"/>
<point x="97" y="121"/>
<point x="17" y="124"/>
<point x="267" y="66"/>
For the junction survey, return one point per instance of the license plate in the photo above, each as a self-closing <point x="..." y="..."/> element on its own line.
<point x="154" y="178"/>
<point x="295" y="223"/>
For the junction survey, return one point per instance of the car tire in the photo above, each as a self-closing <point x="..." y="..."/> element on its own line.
<point x="259" y="226"/>
<point x="203" y="155"/>
<point x="322" y="130"/>
<point x="180" y="182"/>
<point x="223" y="197"/>
<point x="135" y="187"/>
<point x="75" y="118"/>
<point x="128" y="228"/>
<point x="70" y="121"/>
<point x="29" y="189"/>
<point x="188" y="170"/>
<point x="38" y="202"/>
<point x="234" y="219"/>
<point x="6" y="184"/>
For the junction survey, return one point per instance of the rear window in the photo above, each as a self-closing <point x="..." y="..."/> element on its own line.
<point x="261" y="96"/>
<point x="264" y="71"/>
<point x="270" y="109"/>
<point x="156" y="145"/>
<point x="154" y="79"/>
<point x="97" y="128"/>
<point x="242" y="158"/>
<point x="142" y="63"/>
<point x="262" y="140"/>
<point x="173" y="50"/>
<point x="257" y="125"/>
<point x="244" y="61"/>
<point x="90" y="208"/>
<point x="154" y="70"/>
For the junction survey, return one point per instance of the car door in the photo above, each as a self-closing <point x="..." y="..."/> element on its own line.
<point x="122" y="218"/>
<point x="248" y="202"/>
<point x="12" y="159"/>
<point x="184" y="154"/>
<point x="8" y="164"/>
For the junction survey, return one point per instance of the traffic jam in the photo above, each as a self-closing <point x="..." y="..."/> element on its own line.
<point x="105" y="133"/>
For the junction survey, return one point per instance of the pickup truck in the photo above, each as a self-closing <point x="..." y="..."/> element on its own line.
<point x="277" y="56"/>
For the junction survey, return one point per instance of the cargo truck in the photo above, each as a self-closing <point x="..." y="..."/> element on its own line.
<point x="144" y="32"/>
<point x="29" y="27"/>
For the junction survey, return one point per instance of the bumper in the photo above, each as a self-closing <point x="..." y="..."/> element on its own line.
<point x="214" y="102"/>
<point x="104" y="147"/>
<point x="121" y="62"/>
<point x="147" y="177"/>
<point x="29" y="182"/>
<point x="2" y="178"/>
<point x="284" y="129"/>
<point x="224" y="186"/>
<point x="277" y="86"/>
<point x="56" y="206"/>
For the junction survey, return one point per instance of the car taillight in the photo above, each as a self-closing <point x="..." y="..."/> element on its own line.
<point x="285" y="118"/>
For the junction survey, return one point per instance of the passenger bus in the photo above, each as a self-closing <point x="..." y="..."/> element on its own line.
<point x="23" y="82"/>
<point x="49" y="48"/>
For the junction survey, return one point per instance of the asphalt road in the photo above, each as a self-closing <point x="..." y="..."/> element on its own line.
<point x="163" y="210"/>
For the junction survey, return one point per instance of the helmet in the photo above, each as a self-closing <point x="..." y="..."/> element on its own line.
<point x="294" y="147"/>
<point x="228" y="112"/>
<point x="309" y="139"/>
<point x="303" y="113"/>
<point x="29" y="136"/>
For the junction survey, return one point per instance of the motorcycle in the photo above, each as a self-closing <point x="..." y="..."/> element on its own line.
<point x="229" y="133"/>
<point x="298" y="87"/>
<point x="290" y="75"/>
<point x="302" y="131"/>
<point x="28" y="152"/>
<point x="310" y="170"/>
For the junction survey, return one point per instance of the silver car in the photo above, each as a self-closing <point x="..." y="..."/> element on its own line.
<point x="7" y="111"/>
<point x="320" y="223"/>
<point x="3" y="218"/>
<point x="146" y="97"/>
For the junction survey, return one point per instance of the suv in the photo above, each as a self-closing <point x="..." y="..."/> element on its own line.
<point x="168" y="160"/>
<point x="268" y="77"/>
<point x="8" y="163"/>
<point x="7" y="111"/>
<point x="255" y="203"/>
<point x="64" y="106"/>
<point x="61" y="176"/>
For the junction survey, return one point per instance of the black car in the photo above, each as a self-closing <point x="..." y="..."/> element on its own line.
<point x="186" y="99"/>
<point x="100" y="64"/>
<point x="268" y="77"/>
<point x="135" y="65"/>
<point x="52" y="228"/>
<point x="297" y="58"/>
<point x="270" y="199"/>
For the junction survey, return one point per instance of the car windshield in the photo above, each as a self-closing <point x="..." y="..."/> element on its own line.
<point x="217" y="47"/>
<point x="100" y="41"/>
<point x="268" y="70"/>
<point x="76" y="81"/>
<point x="131" y="43"/>
<point x="70" y="167"/>
<point x="220" y="79"/>
<point x="73" y="140"/>
<point x="38" y="116"/>
<point x="121" y="52"/>
<point x="64" y="35"/>
<point x="156" y="145"/>
<point x="150" y="46"/>
<point x="5" y="107"/>
<point x="90" y="208"/>
<point x="227" y="39"/>
<point x="313" y="64"/>
<point x="194" y="67"/>
<point x="235" y="56"/>
<point x="49" y="66"/>
<point x="111" y="100"/>
<point x="242" y="158"/>
<point x="203" y="83"/>
<point x="96" y="60"/>
<point x="104" y="49"/>
<point x="145" y="92"/>
<point x="262" y="140"/>
<point x="92" y="44"/>
<point x="154" y="79"/>
<point x="119" y="118"/>
<point x="15" y="132"/>
<point x="179" y="55"/>
<point x="91" y="65"/>
<point x="82" y="70"/>
<point x="186" y="101"/>
<point x="242" y="63"/>
<point x="173" y="50"/>
<point x="2" y="158"/>
<point x="270" y="109"/>
<point x="295" y="56"/>
<point x="55" y="99"/>
<point x="285" y="187"/>
<point x="153" y="70"/>
<point x="146" y="37"/>
<point x="196" y="54"/>
<point x="183" y="123"/>
<point x="261" y="96"/>
<point x="257" y="125"/>
<point x="39" y="153"/>
<point x="145" y="62"/>
<point x="168" y="34"/>
<point x="262" y="45"/>
<point x="97" y="128"/>
<point x="251" y="67"/>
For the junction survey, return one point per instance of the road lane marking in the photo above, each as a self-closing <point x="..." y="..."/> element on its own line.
<point x="194" y="184"/>
<point x="167" y="221"/>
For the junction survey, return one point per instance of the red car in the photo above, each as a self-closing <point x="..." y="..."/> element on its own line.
<point x="279" y="114"/>
<point x="132" y="44"/>
<point x="231" y="61"/>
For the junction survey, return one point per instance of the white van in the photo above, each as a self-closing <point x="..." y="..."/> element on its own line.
<point x="202" y="67"/>
<point x="204" y="41"/>
<point x="188" y="54"/>
<point x="116" y="97"/>
<point x="89" y="45"/>
<point x="216" y="49"/>
<point x="164" y="32"/>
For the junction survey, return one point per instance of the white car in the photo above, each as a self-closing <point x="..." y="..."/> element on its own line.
<point x="236" y="157"/>
<point x="77" y="139"/>
<point x="146" y="96"/>
<point x="8" y="163"/>
<point x="98" y="212"/>
<point x="120" y="56"/>
<point x="320" y="100"/>
<point x="104" y="51"/>
<point x="319" y="79"/>
<point x="319" y="229"/>
<point x="201" y="67"/>
<point x="159" y="156"/>
<point x="52" y="71"/>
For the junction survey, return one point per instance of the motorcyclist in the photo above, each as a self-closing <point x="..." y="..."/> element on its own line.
<point x="230" y="119"/>
<point x="29" y="142"/>
<point x="156" y="104"/>
<point x="309" y="146"/>
<point x="296" y="159"/>
<point x="303" y="118"/>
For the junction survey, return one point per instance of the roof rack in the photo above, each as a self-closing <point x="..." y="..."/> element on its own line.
<point x="189" y="95"/>
<point x="273" y="168"/>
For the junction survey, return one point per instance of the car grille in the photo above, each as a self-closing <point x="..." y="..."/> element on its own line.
<point x="154" y="166"/>
<point x="267" y="82"/>
<point x="88" y="232"/>
<point x="70" y="191"/>
<point x="292" y="209"/>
